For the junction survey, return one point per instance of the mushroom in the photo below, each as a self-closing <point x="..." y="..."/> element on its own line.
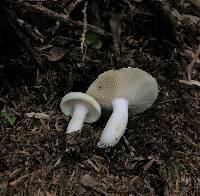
<point x="124" y="89"/>
<point x="82" y="108"/>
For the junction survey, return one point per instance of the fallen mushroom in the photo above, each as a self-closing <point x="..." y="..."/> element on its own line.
<point x="125" y="89"/>
<point x="82" y="108"/>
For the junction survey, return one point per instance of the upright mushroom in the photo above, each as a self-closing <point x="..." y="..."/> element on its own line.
<point x="82" y="108"/>
<point x="125" y="89"/>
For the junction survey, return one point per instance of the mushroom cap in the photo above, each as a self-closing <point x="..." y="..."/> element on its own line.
<point x="69" y="100"/>
<point x="133" y="84"/>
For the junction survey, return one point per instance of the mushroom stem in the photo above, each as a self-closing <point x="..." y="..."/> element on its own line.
<point x="78" y="117"/>
<point x="116" y="125"/>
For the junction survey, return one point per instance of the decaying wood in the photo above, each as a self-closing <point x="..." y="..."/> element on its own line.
<point x="195" y="3"/>
<point x="170" y="18"/>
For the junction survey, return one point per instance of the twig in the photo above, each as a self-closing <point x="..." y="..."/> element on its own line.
<point x="2" y="100"/>
<point x="28" y="28"/>
<point x="191" y="82"/>
<point x="84" y="29"/>
<point x="191" y="65"/>
<point x="60" y="17"/>
<point x="72" y="176"/>
<point x="189" y="70"/>
<point x="93" y="165"/>
<point x="19" y="180"/>
<point x="132" y="7"/>
<point x="72" y="5"/>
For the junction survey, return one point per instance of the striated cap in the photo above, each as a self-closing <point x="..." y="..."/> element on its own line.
<point x="69" y="100"/>
<point x="133" y="84"/>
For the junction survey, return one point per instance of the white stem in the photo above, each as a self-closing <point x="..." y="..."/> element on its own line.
<point x="116" y="125"/>
<point x="78" y="117"/>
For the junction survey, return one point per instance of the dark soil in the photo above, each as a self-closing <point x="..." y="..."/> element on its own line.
<point x="159" y="154"/>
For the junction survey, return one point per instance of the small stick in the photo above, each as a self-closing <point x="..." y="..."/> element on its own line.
<point x="93" y="165"/>
<point x="2" y="100"/>
<point x="191" y="82"/>
<point x="19" y="180"/>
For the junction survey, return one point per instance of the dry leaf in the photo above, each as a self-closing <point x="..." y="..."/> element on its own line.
<point x="88" y="181"/>
<point x="56" y="54"/>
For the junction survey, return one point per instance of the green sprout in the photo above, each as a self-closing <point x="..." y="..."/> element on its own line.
<point x="93" y="40"/>
<point x="10" y="119"/>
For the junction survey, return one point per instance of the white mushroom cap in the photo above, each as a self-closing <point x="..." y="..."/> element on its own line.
<point x="71" y="99"/>
<point x="122" y="90"/>
<point x="138" y="87"/>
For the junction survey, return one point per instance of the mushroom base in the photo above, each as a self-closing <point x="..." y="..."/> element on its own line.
<point x="116" y="125"/>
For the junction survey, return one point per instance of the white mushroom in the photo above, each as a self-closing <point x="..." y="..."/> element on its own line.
<point x="82" y="108"/>
<point x="125" y="89"/>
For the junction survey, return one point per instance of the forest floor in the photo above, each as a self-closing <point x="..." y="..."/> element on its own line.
<point x="41" y="60"/>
